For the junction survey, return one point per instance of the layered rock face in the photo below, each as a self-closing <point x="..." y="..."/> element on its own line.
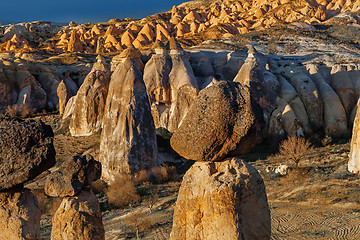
<point x="221" y="197"/>
<point x="223" y="121"/>
<point x="26" y="150"/>
<point x="90" y="101"/>
<point x="222" y="200"/>
<point x="128" y="140"/>
<point x="354" y="161"/>
<point x="19" y="215"/>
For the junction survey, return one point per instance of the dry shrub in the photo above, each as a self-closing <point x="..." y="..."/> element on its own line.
<point x="98" y="186"/>
<point x="141" y="177"/>
<point x="22" y="111"/>
<point x="164" y="174"/>
<point x="12" y="110"/>
<point x="138" y="222"/>
<point x="294" y="148"/>
<point x="121" y="191"/>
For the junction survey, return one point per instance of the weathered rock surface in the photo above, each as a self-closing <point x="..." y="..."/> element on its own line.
<point x="19" y="215"/>
<point x="222" y="200"/>
<point x="90" y="101"/>
<point x="72" y="176"/>
<point x="78" y="217"/>
<point x="354" y="161"/>
<point x="26" y="150"/>
<point x="223" y="121"/>
<point x="63" y="95"/>
<point x="128" y="139"/>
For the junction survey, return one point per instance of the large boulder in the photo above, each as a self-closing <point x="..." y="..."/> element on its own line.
<point x="222" y="200"/>
<point x="19" y="216"/>
<point x="223" y="121"/>
<point x="78" y="217"/>
<point x="5" y="91"/>
<point x="73" y="175"/>
<point x="90" y="101"/>
<point x="26" y="150"/>
<point x="354" y="161"/>
<point x="128" y="139"/>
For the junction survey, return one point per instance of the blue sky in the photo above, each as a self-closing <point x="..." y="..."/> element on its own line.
<point x="80" y="11"/>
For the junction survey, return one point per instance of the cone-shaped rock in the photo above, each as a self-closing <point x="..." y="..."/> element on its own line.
<point x="128" y="139"/>
<point x="90" y="101"/>
<point x="222" y="200"/>
<point x="223" y="121"/>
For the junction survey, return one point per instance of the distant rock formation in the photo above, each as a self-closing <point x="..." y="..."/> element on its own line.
<point x="90" y="101"/>
<point x="128" y="140"/>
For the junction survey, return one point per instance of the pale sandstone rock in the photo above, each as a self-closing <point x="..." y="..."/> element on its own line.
<point x="354" y="156"/>
<point x="69" y="108"/>
<point x="19" y="215"/>
<point x="223" y="121"/>
<point x="222" y="200"/>
<point x="78" y="217"/>
<point x="128" y="140"/>
<point x="90" y="101"/>
<point x="75" y="45"/>
<point x="64" y="96"/>
<point x="335" y="119"/>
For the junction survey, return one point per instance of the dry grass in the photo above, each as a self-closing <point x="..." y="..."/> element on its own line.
<point x="121" y="192"/>
<point x="294" y="148"/>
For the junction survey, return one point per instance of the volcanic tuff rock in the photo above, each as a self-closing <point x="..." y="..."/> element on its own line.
<point x="26" y="150"/>
<point x="63" y="95"/>
<point x="223" y="121"/>
<point x="72" y="176"/>
<point x="90" y="101"/>
<point x="222" y="200"/>
<point x="128" y="140"/>
<point x="78" y="217"/>
<point x="354" y="161"/>
<point x="19" y="215"/>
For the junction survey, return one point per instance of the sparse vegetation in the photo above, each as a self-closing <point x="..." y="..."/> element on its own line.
<point x="22" y="111"/>
<point x="294" y="148"/>
<point x="121" y="191"/>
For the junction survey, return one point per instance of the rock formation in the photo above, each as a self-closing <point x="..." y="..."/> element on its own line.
<point x="78" y="217"/>
<point x="29" y="144"/>
<point x="221" y="200"/>
<point x="26" y="151"/>
<point x="63" y="95"/>
<point x="72" y="176"/>
<point x="90" y="101"/>
<point x="5" y="91"/>
<point x="220" y="197"/>
<point x="229" y="126"/>
<point x="354" y="161"/>
<point x="19" y="215"/>
<point x="128" y="141"/>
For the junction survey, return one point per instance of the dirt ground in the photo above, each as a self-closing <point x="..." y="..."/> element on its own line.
<point x="317" y="200"/>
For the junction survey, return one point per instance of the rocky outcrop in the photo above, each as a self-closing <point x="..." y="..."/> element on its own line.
<point x="221" y="200"/>
<point x="63" y="95"/>
<point x="223" y="121"/>
<point x="78" y="217"/>
<point x="128" y="141"/>
<point x="354" y="156"/>
<point x="90" y="101"/>
<point x="72" y="176"/>
<point x="26" y="150"/>
<point x="19" y="215"/>
<point x="5" y="91"/>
